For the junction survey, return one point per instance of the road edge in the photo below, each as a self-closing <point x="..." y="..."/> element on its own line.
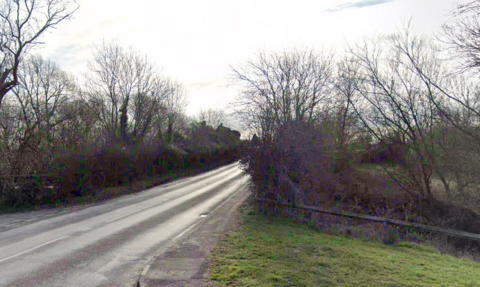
<point x="244" y="188"/>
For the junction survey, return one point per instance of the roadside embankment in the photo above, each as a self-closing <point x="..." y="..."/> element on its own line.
<point x="268" y="251"/>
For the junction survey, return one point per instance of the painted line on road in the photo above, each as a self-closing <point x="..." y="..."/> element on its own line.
<point x="33" y="248"/>
<point x="14" y="222"/>
<point x="130" y="213"/>
<point x="147" y="267"/>
<point x="145" y="270"/>
<point x="199" y="221"/>
<point x="46" y="215"/>
<point x="140" y="281"/>
<point x="183" y="232"/>
<point x="135" y="211"/>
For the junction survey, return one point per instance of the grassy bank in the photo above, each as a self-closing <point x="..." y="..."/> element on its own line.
<point x="276" y="252"/>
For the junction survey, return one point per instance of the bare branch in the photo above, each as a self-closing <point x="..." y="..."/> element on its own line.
<point x="22" y="24"/>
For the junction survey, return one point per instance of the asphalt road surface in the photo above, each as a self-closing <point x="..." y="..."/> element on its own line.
<point x="108" y="244"/>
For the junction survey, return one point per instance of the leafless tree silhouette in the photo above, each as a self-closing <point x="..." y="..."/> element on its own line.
<point x="461" y="35"/>
<point x="277" y="88"/>
<point x="124" y="91"/>
<point x="212" y="117"/>
<point x="398" y="96"/>
<point x="22" y="23"/>
<point x="174" y="105"/>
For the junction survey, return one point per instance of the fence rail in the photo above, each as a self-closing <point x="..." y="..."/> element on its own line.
<point x="451" y="232"/>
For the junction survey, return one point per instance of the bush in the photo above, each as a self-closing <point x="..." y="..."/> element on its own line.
<point x="298" y="157"/>
<point x="85" y="170"/>
<point x="18" y="193"/>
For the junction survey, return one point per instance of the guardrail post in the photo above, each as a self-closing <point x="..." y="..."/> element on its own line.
<point x="388" y="234"/>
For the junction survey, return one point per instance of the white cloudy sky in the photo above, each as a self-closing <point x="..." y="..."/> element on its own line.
<point x="195" y="41"/>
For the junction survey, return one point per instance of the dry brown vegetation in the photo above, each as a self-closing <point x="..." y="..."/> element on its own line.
<point x="64" y="141"/>
<point x="393" y="101"/>
<point x="92" y="173"/>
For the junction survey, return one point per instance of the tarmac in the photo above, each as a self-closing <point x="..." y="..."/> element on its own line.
<point x="186" y="261"/>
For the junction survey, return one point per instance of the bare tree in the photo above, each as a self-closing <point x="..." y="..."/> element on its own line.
<point x="125" y="91"/>
<point x="13" y="129"/>
<point x="30" y="124"/>
<point x="461" y="35"/>
<point x="175" y="102"/>
<point x="143" y="114"/>
<point x="340" y="121"/>
<point x="460" y="110"/>
<point x="43" y="88"/>
<point x="22" y="24"/>
<point x="459" y="163"/>
<point x="399" y="103"/>
<point x="81" y="127"/>
<point x="277" y="88"/>
<point x="212" y="117"/>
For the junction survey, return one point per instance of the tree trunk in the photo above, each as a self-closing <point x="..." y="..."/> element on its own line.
<point x="170" y="131"/>
<point x="445" y="183"/>
<point x="123" y="125"/>
<point x="426" y="181"/>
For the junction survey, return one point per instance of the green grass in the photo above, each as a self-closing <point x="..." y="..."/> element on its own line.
<point x="277" y="252"/>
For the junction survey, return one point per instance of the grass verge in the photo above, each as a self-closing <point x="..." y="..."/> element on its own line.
<point x="265" y="251"/>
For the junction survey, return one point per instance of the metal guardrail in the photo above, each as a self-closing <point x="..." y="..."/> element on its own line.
<point x="451" y="232"/>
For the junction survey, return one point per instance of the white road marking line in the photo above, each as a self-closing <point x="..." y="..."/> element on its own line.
<point x="180" y="235"/>
<point x="202" y="218"/>
<point x="15" y="222"/>
<point x="33" y="248"/>
<point x="108" y="221"/>
<point x="134" y="211"/>
<point x="145" y="270"/>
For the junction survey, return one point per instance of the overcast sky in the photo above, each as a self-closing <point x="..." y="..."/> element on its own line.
<point x="196" y="41"/>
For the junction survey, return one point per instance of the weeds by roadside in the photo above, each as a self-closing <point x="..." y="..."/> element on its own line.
<point x="277" y="252"/>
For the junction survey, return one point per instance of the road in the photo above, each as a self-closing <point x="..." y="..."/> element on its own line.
<point x="109" y="244"/>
